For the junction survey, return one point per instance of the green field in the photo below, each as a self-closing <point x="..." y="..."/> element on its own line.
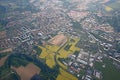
<point x="109" y="72"/>
<point x="114" y="5"/>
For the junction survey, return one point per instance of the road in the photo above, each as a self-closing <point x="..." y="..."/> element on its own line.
<point x="114" y="59"/>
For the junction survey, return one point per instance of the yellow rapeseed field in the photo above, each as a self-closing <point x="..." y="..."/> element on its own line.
<point x="52" y="48"/>
<point x="50" y="60"/>
<point x="107" y="8"/>
<point x="51" y="55"/>
<point x="43" y="53"/>
<point x="48" y="56"/>
<point x="60" y="77"/>
<point x="64" y="54"/>
<point x="65" y="75"/>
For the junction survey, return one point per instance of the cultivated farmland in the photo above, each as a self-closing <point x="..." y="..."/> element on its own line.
<point x="26" y="73"/>
<point x="60" y="46"/>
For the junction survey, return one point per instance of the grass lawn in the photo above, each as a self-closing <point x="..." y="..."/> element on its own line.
<point x="114" y="5"/>
<point x="109" y="72"/>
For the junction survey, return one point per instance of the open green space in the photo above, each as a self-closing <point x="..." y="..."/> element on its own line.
<point x="114" y="5"/>
<point x="3" y="55"/>
<point x="109" y="72"/>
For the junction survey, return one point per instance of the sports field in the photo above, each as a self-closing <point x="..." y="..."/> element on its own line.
<point x="58" y="40"/>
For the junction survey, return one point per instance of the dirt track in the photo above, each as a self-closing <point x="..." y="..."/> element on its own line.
<point x="58" y="40"/>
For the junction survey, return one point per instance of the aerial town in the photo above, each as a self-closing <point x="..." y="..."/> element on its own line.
<point x="59" y="40"/>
